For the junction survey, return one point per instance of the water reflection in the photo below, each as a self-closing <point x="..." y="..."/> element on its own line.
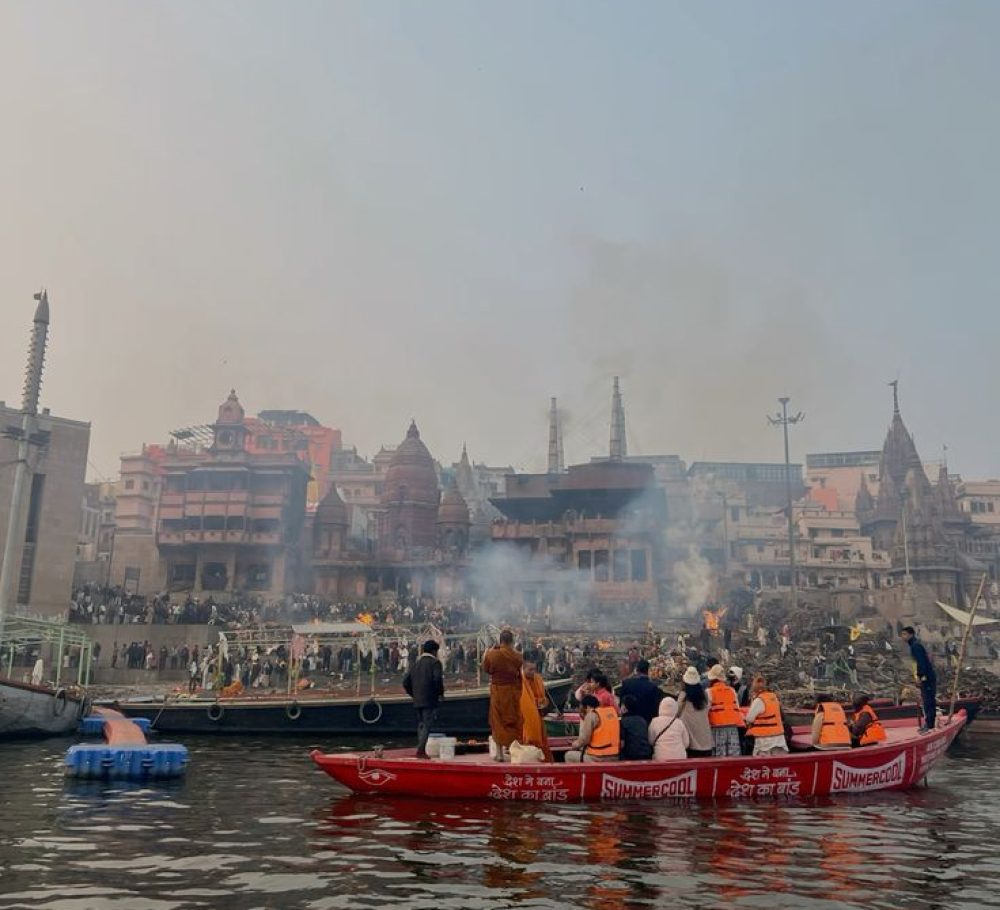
<point x="255" y="826"/>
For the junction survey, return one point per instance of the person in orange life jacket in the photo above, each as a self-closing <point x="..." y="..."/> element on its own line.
<point x="829" y="726"/>
<point x="634" y="731"/>
<point x="924" y="671"/>
<point x="723" y="714"/>
<point x="866" y="728"/>
<point x="600" y="733"/>
<point x="764" y="721"/>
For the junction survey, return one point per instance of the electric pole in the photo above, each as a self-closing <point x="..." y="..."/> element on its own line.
<point x="783" y="420"/>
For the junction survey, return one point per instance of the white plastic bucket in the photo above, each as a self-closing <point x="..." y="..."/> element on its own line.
<point x="446" y="748"/>
<point x="433" y="744"/>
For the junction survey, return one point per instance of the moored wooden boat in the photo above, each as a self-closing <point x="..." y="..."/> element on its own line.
<point x="899" y="763"/>
<point x="463" y="711"/>
<point x="28" y="711"/>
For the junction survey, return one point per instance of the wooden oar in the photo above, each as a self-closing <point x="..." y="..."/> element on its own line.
<point x="965" y="643"/>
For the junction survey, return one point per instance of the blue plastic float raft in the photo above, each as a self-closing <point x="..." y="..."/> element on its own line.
<point x="93" y="725"/>
<point x="100" y="761"/>
<point x="126" y="755"/>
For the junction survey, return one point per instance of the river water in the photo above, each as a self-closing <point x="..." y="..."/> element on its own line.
<point x="254" y="825"/>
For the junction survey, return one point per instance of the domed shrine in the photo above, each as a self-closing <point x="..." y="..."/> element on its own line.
<point x="410" y="497"/>
<point x="422" y="539"/>
<point x="453" y="522"/>
<point x="330" y="525"/>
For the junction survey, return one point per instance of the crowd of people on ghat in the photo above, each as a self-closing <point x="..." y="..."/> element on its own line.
<point x="717" y="713"/>
<point x="113" y="605"/>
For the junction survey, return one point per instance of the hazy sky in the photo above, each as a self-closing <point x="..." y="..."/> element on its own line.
<point x="451" y="211"/>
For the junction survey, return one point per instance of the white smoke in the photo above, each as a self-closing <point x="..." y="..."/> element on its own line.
<point x="694" y="581"/>
<point x="508" y="582"/>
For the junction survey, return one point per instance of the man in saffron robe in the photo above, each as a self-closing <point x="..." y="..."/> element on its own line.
<point x="533" y="701"/>
<point x="503" y="664"/>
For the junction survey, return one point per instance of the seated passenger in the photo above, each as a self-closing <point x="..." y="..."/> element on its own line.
<point x="692" y="709"/>
<point x="600" y="733"/>
<point x="634" y="732"/>
<point x="866" y="728"/>
<point x="668" y="735"/>
<point x="829" y="727"/>
<point x="764" y="721"/>
<point x="603" y="692"/>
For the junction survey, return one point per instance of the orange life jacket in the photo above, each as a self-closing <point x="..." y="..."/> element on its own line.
<point x="607" y="739"/>
<point x="874" y="732"/>
<point x="835" y="731"/>
<point x="768" y="722"/>
<point x="725" y="709"/>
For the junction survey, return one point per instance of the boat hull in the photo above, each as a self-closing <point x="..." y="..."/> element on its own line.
<point x="895" y="765"/>
<point x="461" y="712"/>
<point x="35" y="711"/>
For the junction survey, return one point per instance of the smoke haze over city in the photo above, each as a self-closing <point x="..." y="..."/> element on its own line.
<point x="453" y="211"/>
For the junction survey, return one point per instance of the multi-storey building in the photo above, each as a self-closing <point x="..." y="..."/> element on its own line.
<point x="49" y="527"/>
<point x="840" y="474"/>
<point x="228" y="518"/>
<point x="594" y="532"/>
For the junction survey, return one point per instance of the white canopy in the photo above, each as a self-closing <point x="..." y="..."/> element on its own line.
<point x="962" y="616"/>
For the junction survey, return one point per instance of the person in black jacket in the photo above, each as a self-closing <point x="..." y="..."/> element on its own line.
<point x="424" y="683"/>
<point x="635" y="744"/>
<point x="646" y="693"/>
<point x="924" y="671"/>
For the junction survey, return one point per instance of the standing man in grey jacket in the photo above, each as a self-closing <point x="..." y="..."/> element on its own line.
<point x="424" y="683"/>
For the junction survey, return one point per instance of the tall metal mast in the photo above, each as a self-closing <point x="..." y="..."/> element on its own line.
<point x="619" y="447"/>
<point x="783" y="420"/>
<point x="555" y="465"/>
<point x="25" y="436"/>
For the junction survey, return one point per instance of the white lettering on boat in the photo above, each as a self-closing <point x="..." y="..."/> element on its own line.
<point x="857" y="780"/>
<point x="764" y="781"/>
<point x="538" y="787"/>
<point x="616" y="788"/>
<point x="932" y="752"/>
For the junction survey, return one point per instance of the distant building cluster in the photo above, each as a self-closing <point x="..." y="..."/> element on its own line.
<point x="275" y="504"/>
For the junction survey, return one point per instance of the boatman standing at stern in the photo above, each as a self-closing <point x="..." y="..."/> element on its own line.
<point x="503" y="664"/>
<point x="924" y="671"/>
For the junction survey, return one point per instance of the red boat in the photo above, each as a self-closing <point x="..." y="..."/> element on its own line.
<point x="899" y="763"/>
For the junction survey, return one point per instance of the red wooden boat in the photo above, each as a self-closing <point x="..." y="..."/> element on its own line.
<point x="899" y="763"/>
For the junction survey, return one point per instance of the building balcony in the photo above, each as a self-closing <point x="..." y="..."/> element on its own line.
<point x="269" y="538"/>
<point x="268" y="499"/>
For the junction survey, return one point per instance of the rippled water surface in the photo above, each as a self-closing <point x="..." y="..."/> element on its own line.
<point x="254" y="825"/>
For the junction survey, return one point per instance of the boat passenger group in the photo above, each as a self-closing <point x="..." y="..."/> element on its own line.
<point x="718" y="715"/>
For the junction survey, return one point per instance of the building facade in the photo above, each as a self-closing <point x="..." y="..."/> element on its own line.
<point x="48" y="528"/>
<point x="593" y="536"/>
<point x="230" y="519"/>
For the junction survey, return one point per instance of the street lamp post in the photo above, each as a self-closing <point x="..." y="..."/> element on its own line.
<point x="783" y="420"/>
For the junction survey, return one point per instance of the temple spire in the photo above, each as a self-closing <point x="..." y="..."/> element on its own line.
<point x="895" y="397"/>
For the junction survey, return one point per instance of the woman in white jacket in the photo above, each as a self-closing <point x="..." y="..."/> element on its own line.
<point x="667" y="734"/>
